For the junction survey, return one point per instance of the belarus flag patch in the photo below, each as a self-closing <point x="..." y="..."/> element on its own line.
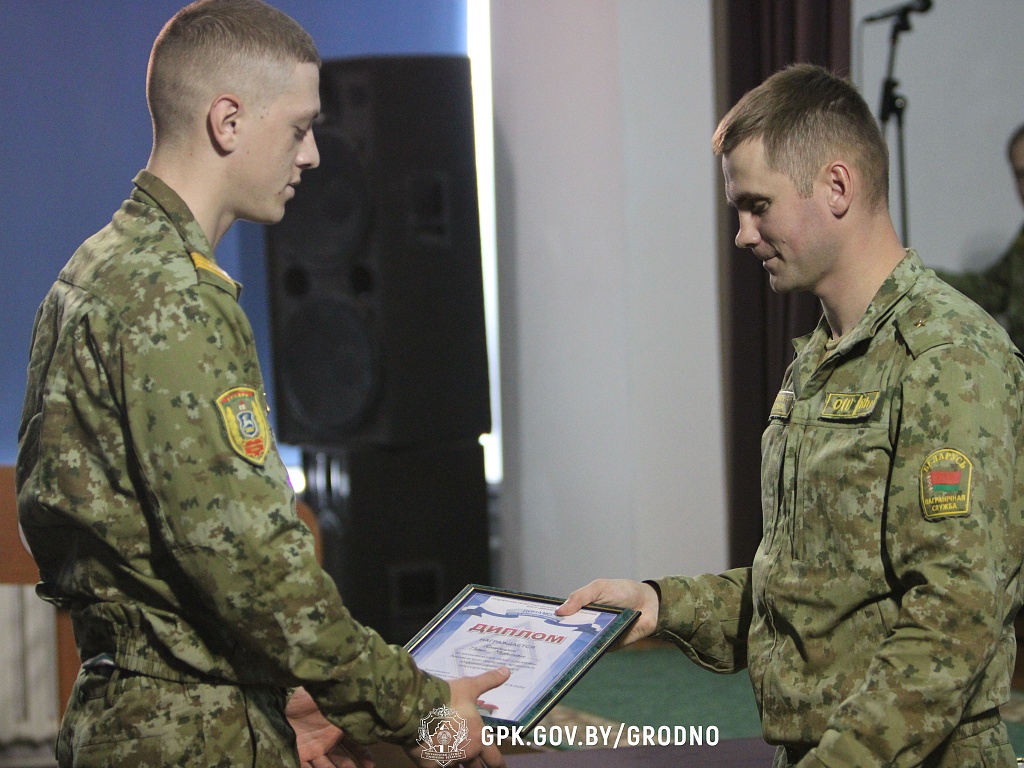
<point x="946" y="484"/>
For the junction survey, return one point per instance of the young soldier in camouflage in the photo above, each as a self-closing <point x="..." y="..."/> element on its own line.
<point x="149" y="486"/>
<point x="877" y="620"/>
<point x="1000" y="288"/>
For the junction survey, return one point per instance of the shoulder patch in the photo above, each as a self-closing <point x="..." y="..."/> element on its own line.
<point x="246" y="424"/>
<point x="946" y="484"/>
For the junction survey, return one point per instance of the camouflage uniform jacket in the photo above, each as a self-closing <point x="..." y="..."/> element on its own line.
<point x="877" y="619"/>
<point x="152" y="494"/>
<point x="998" y="289"/>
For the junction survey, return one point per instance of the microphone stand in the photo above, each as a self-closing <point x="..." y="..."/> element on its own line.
<point x="326" y="474"/>
<point x="894" y="104"/>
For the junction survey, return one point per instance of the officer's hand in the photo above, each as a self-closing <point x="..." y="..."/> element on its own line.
<point x="345" y="754"/>
<point x="622" y="593"/>
<point x="321" y="744"/>
<point x="465" y="692"/>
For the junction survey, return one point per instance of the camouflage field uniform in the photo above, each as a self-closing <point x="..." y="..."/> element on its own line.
<point x="159" y="512"/>
<point x="877" y="620"/>
<point x="999" y="289"/>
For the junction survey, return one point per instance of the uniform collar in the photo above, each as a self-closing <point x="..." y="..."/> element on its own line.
<point x="150" y="189"/>
<point x="814" y="360"/>
<point x="894" y="288"/>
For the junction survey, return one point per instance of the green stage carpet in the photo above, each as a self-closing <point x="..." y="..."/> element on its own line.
<point x="660" y="686"/>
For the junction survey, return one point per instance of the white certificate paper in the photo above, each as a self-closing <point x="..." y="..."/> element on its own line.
<point x="483" y="629"/>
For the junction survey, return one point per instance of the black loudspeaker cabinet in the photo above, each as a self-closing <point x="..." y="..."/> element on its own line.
<point x="411" y="532"/>
<point x="377" y="311"/>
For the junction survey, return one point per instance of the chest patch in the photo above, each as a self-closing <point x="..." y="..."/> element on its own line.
<point x="946" y="484"/>
<point x="848" y="406"/>
<point x="246" y="424"/>
<point x="783" y="405"/>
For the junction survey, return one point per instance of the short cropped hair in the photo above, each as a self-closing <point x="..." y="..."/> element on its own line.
<point x="223" y="45"/>
<point x="806" y="116"/>
<point x="1015" y="138"/>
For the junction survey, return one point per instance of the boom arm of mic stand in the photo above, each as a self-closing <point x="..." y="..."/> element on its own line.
<point x="894" y="103"/>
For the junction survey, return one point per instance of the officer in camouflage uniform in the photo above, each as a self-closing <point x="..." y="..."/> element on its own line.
<point x="149" y="486"/>
<point x="876" y="622"/>
<point x="1000" y="288"/>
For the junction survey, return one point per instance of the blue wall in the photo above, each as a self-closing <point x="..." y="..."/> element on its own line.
<point x="75" y="130"/>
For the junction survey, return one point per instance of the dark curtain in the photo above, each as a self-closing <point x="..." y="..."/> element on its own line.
<point x="754" y="39"/>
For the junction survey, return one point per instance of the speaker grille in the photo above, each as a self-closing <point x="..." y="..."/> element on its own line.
<point x="329" y="368"/>
<point x="377" y="263"/>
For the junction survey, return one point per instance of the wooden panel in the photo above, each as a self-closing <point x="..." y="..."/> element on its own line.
<point x="16" y="565"/>
<point x="68" y="662"/>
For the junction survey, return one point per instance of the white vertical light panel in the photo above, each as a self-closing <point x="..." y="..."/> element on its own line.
<point x="28" y="667"/>
<point x="672" y="184"/>
<point x="478" y="34"/>
<point x="609" y="299"/>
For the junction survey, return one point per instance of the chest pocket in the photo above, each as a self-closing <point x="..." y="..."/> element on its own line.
<point x="842" y="478"/>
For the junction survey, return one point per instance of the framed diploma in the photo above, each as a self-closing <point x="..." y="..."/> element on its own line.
<point x="484" y="628"/>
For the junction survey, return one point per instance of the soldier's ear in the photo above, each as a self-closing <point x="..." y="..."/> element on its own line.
<point x="222" y="122"/>
<point x="839" y="182"/>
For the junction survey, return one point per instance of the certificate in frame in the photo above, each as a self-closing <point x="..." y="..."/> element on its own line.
<point x="484" y="628"/>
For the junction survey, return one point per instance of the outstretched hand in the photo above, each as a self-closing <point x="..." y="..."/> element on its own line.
<point x="465" y="692"/>
<point x="322" y="744"/>
<point x="622" y="593"/>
